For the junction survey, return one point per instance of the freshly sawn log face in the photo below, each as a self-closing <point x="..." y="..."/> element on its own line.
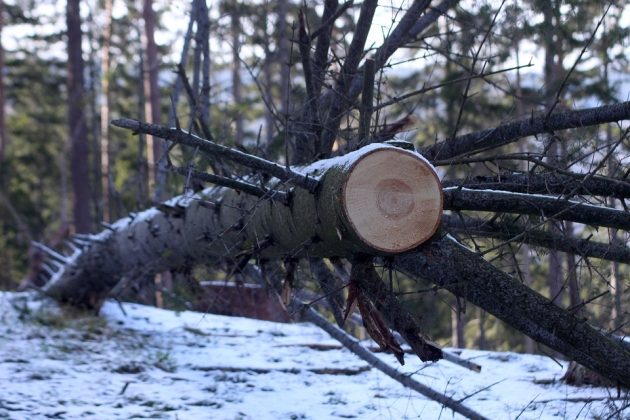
<point x="393" y="200"/>
<point x="368" y="202"/>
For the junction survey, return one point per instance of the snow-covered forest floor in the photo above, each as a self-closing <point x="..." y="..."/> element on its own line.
<point x="134" y="361"/>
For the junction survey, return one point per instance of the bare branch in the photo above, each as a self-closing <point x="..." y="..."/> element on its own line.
<point x="339" y="105"/>
<point x="310" y="123"/>
<point x="536" y="237"/>
<point x="535" y="205"/>
<point x="214" y="149"/>
<point x="507" y="133"/>
<point x="369" y="282"/>
<point x="366" y="103"/>
<point x="546" y="183"/>
<point x="234" y="184"/>
<point x="425" y="89"/>
<point x="323" y="34"/>
<point x="351" y="343"/>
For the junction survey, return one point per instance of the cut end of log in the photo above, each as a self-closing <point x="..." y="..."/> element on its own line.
<point x="393" y="199"/>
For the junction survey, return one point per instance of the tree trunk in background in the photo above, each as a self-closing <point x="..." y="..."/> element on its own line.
<point x="3" y="129"/>
<point x="615" y="284"/>
<point x="457" y="325"/>
<point x="106" y="182"/>
<point x="267" y="74"/>
<point x="92" y="96"/>
<point x="203" y="30"/>
<point x="235" y="29"/>
<point x="458" y="322"/>
<point x="524" y="252"/>
<point x="141" y="161"/>
<point x="283" y="58"/>
<point x="572" y="275"/>
<point x="481" y="341"/>
<point x="77" y="127"/>
<point x="552" y="68"/>
<point x="152" y="105"/>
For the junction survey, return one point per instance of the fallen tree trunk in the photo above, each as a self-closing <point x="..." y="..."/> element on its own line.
<point x="367" y="202"/>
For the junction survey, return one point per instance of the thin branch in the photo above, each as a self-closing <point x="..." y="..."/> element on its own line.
<point x="536" y="205"/>
<point x="234" y="184"/>
<point x="181" y="72"/>
<point x="472" y="69"/>
<point x="50" y="252"/>
<point x="546" y="183"/>
<point x="507" y="133"/>
<point x="577" y="60"/>
<point x="214" y="149"/>
<point x="351" y="343"/>
<point x="536" y="237"/>
<point x="425" y="89"/>
<point x="329" y="17"/>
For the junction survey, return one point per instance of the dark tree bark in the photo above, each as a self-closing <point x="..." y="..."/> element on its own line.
<point x="235" y="32"/>
<point x="106" y="182"/>
<point x="464" y="273"/>
<point x="152" y="97"/>
<point x="317" y="212"/>
<point x="3" y="131"/>
<point x="77" y="127"/>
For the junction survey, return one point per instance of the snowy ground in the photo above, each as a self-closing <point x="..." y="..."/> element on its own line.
<point x="142" y="362"/>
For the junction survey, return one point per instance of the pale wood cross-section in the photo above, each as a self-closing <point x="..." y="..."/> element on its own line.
<point x="393" y="199"/>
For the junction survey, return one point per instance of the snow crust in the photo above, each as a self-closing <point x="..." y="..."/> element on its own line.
<point x="138" y="361"/>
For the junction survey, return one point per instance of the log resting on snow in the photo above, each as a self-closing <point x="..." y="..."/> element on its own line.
<point x="466" y="274"/>
<point x="379" y="200"/>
